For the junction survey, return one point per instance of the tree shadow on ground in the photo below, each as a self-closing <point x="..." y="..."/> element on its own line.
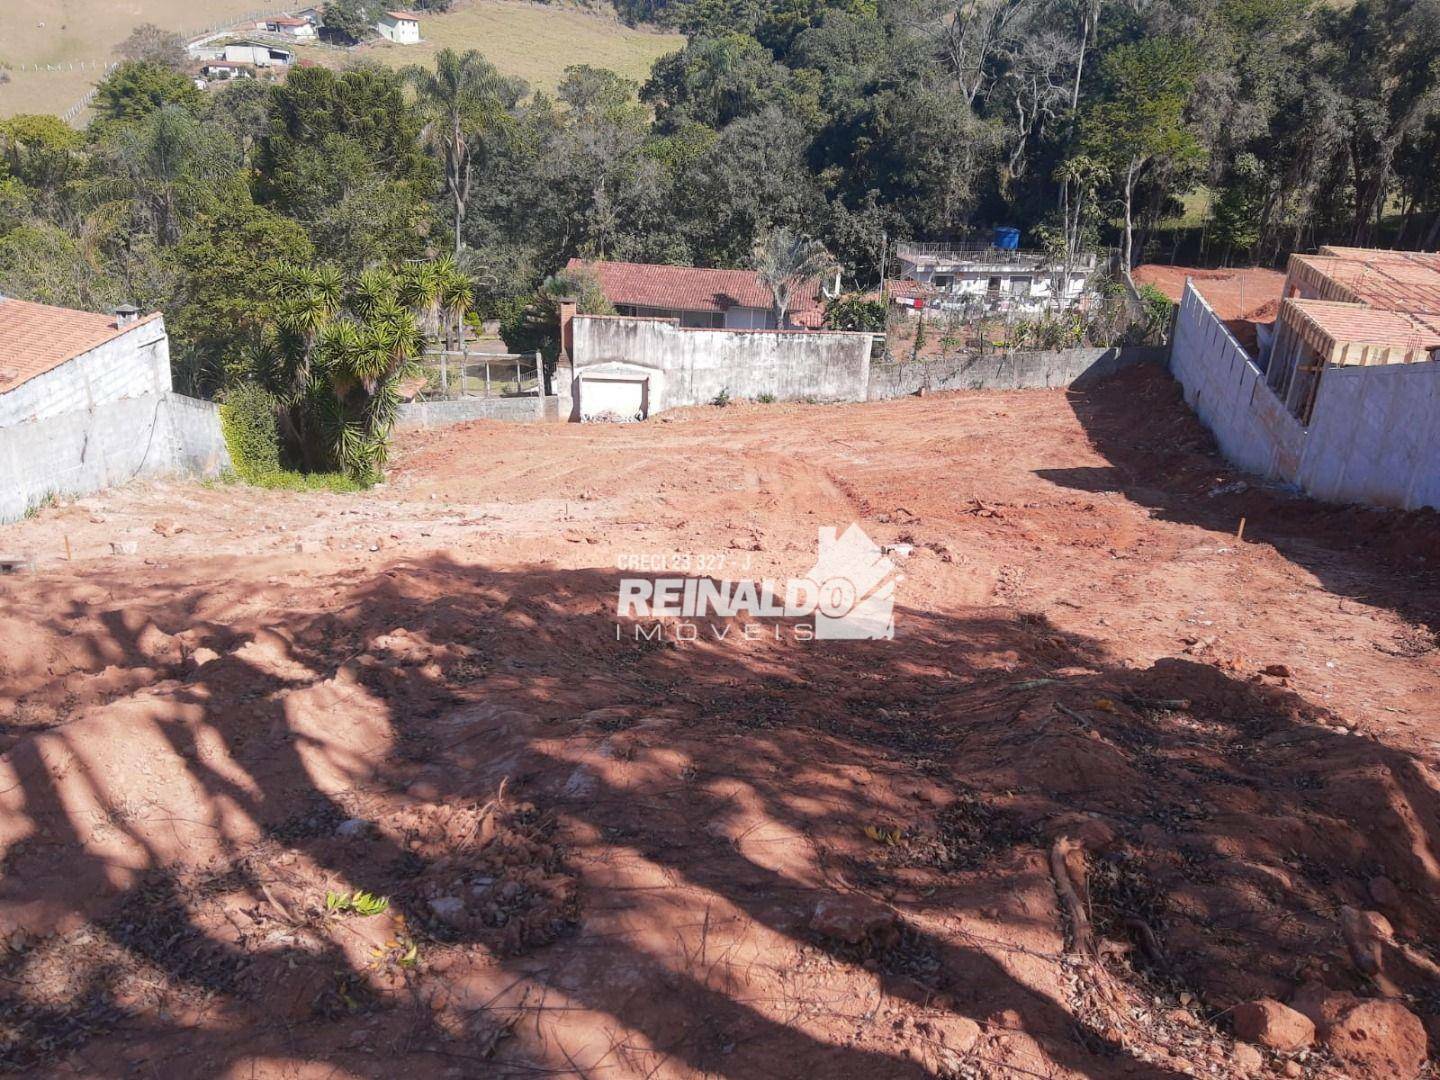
<point x="681" y="783"/>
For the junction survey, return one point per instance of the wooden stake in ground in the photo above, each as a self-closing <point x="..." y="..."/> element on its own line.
<point x="1240" y="532"/>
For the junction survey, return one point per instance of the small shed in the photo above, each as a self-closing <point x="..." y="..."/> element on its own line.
<point x="616" y="392"/>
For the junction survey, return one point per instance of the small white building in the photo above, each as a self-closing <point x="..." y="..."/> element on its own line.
<point x="255" y="52"/>
<point x="86" y="401"/>
<point x="301" y="29"/>
<point x="401" y="27"/>
<point x="955" y="277"/>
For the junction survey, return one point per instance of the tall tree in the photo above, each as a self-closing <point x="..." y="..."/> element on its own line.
<point x="464" y="96"/>
<point x="1141" y="118"/>
<point x="152" y="45"/>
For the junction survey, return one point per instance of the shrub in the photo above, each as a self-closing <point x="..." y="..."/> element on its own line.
<point x="721" y="399"/>
<point x="766" y="399"/>
<point x="852" y="312"/>
<point x="247" y="419"/>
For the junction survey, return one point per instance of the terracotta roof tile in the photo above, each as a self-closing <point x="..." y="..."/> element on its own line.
<point x="692" y="288"/>
<point x="1356" y="324"/>
<point x="1391" y="280"/>
<point x="37" y="337"/>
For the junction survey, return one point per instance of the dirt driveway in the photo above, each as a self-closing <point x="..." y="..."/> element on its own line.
<point x="608" y="854"/>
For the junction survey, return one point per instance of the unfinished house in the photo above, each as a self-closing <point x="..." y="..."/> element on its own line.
<point x="704" y="299"/>
<point x="979" y="279"/>
<point x="1351" y="307"/>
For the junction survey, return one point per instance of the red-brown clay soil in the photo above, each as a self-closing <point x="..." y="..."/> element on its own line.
<point x="749" y="857"/>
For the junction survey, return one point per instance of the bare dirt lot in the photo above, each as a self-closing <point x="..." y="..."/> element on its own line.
<point x="1118" y="773"/>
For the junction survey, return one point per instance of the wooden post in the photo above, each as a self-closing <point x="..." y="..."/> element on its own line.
<point x="444" y="374"/>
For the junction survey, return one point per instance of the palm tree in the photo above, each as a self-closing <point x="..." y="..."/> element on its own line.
<point x="464" y="96"/>
<point x="786" y="260"/>
<point x="455" y="295"/>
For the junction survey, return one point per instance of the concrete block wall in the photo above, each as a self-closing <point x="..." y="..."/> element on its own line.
<point x="698" y="365"/>
<point x="1029" y="370"/>
<point x="1374" y="434"/>
<point x="89" y="449"/>
<point x="422" y="414"/>
<point x="1229" y="394"/>
<point x="131" y="364"/>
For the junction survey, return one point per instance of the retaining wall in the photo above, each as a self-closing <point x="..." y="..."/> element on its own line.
<point x="1374" y="434"/>
<point x="421" y="414"/>
<point x="1013" y="371"/>
<point x="83" y="451"/>
<point x="1228" y="392"/>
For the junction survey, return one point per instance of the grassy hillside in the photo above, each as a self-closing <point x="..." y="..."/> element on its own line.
<point x="536" y="42"/>
<point x="87" y="31"/>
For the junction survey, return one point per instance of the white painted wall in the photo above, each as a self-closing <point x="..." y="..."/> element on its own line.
<point x="697" y="365"/>
<point x="400" y="31"/>
<point x="129" y="365"/>
<point x="1374" y="435"/>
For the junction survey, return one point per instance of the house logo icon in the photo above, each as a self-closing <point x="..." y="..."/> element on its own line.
<point x="856" y="587"/>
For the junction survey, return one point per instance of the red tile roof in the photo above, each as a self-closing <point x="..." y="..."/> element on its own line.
<point x="37" y="337"/>
<point x="1390" y="280"/>
<point x="692" y="288"/>
<point x="1356" y="324"/>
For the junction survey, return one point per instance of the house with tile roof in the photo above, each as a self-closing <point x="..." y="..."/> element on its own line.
<point x="86" y="401"/>
<point x="1351" y="307"/>
<point x="699" y="298"/>
<point x="55" y="360"/>
<point x="288" y="25"/>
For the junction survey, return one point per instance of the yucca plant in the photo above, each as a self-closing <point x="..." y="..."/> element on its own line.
<point x="334" y="357"/>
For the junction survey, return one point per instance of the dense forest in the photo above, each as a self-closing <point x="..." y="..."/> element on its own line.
<point x="856" y="123"/>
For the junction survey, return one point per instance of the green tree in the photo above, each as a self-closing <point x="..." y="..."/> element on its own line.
<point x="852" y="312"/>
<point x="42" y="152"/>
<point x="349" y="20"/>
<point x="221" y="306"/>
<point x="137" y="88"/>
<point x="462" y="97"/>
<point x="168" y="165"/>
<point x="1141" y="118"/>
<point x="334" y="360"/>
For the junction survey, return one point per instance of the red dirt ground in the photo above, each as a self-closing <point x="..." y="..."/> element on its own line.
<point x="604" y="857"/>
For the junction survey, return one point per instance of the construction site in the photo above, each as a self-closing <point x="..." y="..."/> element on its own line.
<point x="1141" y="783"/>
